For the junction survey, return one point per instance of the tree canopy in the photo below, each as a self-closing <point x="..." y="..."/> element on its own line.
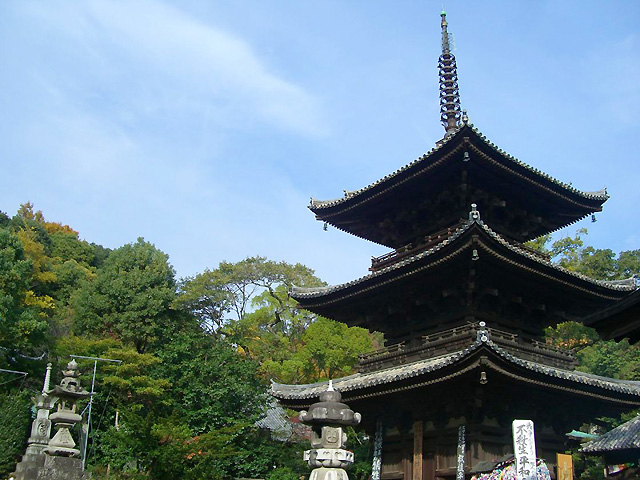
<point x="602" y="264"/>
<point x="196" y="354"/>
<point x="130" y="297"/>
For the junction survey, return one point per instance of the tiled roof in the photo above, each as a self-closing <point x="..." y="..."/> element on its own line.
<point x="624" y="437"/>
<point x="276" y="421"/>
<point x="300" y="293"/>
<point x="388" y="376"/>
<point x="600" y="195"/>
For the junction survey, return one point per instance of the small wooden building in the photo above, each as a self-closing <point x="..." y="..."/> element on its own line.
<point x="463" y="305"/>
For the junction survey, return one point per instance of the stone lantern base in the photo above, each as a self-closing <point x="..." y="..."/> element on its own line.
<point x="29" y="466"/>
<point x="62" y="468"/>
<point x="328" y="474"/>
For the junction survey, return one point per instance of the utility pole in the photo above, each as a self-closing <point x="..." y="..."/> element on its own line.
<point x="93" y="382"/>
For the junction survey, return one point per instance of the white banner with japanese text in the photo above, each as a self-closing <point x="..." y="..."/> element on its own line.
<point x="524" y="449"/>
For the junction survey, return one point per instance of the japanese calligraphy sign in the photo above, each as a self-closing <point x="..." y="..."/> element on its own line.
<point x="524" y="449"/>
<point x="461" y="449"/>
<point x="377" y="451"/>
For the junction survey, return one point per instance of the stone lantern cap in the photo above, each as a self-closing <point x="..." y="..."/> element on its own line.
<point x="70" y="386"/>
<point x="330" y="411"/>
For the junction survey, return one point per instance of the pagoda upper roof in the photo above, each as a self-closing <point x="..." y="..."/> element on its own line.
<point x="482" y="354"/>
<point x="445" y="263"/>
<point x="428" y="194"/>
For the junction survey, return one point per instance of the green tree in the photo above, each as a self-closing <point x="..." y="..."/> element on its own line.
<point x="289" y="344"/>
<point x="199" y="424"/>
<point x="572" y="253"/>
<point x="628" y="263"/>
<point x="212" y="385"/>
<point x="130" y="298"/>
<point x="571" y="335"/>
<point x="15" y="419"/>
<point x="23" y="317"/>
<point x="232" y="288"/>
<point x="328" y="349"/>
<point x="611" y="359"/>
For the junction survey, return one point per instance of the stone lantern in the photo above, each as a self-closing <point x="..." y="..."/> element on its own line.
<point x="328" y="418"/>
<point x="67" y="393"/>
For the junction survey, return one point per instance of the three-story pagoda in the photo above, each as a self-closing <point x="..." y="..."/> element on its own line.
<point x="463" y="304"/>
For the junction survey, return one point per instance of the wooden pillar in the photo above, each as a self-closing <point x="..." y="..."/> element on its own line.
<point x="417" y="449"/>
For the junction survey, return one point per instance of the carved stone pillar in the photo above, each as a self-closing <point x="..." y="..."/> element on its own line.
<point x="41" y="426"/>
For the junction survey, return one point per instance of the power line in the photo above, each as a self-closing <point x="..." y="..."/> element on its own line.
<point x="15" y="372"/>
<point x="93" y="382"/>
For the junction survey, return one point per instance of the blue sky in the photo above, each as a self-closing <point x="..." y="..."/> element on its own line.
<point x="206" y="126"/>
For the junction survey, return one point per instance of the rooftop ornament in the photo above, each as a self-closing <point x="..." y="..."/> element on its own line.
<point x="327" y="418"/>
<point x="450" y="111"/>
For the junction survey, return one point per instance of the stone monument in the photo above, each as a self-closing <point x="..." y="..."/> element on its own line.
<point x="327" y="419"/>
<point x="33" y="459"/>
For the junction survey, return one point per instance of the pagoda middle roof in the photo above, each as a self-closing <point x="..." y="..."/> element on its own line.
<point x="450" y="247"/>
<point x="424" y="196"/>
<point x="414" y="375"/>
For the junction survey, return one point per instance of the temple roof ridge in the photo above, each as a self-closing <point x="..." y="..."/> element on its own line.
<point x="316" y="204"/>
<point x="414" y="369"/>
<point x="310" y="292"/>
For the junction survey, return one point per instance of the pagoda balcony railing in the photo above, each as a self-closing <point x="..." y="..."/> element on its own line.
<point x="429" y="241"/>
<point x="423" y="243"/>
<point x="458" y="338"/>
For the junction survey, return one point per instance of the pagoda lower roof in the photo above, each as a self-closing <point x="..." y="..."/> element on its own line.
<point x="426" y="195"/>
<point x="483" y="354"/>
<point x="446" y="263"/>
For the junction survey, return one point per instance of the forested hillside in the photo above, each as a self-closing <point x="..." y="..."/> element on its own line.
<point x="197" y="353"/>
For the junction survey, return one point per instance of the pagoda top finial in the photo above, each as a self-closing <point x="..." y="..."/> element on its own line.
<point x="450" y="110"/>
<point x="446" y="46"/>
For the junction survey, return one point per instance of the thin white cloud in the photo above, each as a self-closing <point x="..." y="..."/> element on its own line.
<point x="162" y="59"/>
<point x="205" y="63"/>
<point x="138" y="98"/>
